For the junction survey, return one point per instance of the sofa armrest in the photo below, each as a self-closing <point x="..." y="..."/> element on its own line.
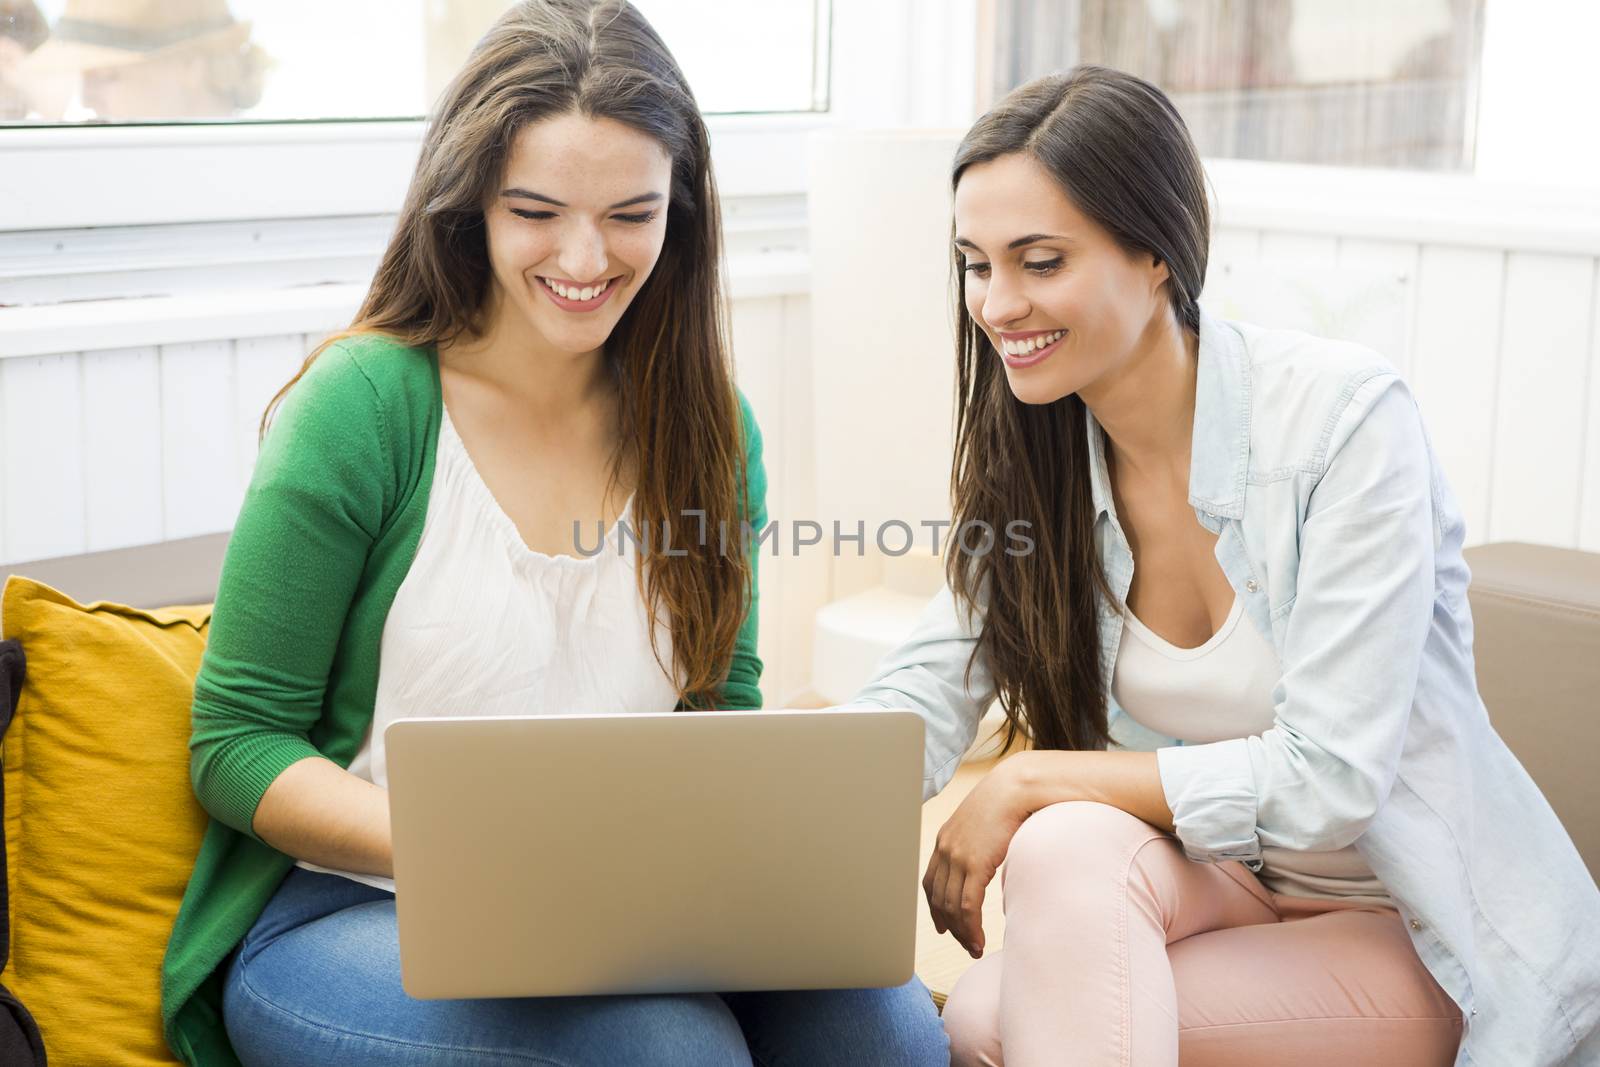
<point x="145" y="576"/>
<point x="1536" y="615"/>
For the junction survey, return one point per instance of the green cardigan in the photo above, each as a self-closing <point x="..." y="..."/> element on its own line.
<point x="328" y="530"/>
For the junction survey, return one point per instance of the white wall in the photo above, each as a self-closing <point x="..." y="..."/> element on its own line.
<point x="772" y="351"/>
<point x="1486" y="296"/>
<point x="117" y="447"/>
<point x="1499" y="344"/>
<point x="112" y="447"/>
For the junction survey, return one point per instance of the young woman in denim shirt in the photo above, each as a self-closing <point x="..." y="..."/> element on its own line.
<point x="1241" y="544"/>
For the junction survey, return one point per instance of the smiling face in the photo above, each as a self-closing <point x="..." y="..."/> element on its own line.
<point x="1063" y="304"/>
<point x="575" y="226"/>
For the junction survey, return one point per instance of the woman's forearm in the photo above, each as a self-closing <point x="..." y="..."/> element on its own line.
<point x="321" y="813"/>
<point x="1127" y="780"/>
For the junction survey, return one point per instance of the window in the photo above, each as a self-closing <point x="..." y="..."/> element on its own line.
<point x="1372" y="83"/>
<point x="165" y="61"/>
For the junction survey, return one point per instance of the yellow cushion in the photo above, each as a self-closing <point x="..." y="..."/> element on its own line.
<point x="101" y="823"/>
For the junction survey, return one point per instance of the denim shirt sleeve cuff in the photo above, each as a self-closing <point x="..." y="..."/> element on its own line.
<point x="1212" y="793"/>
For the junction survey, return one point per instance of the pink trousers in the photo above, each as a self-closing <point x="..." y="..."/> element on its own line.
<point x="1119" y="950"/>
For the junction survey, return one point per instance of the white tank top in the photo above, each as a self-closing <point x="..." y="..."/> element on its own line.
<point x="1217" y="692"/>
<point x="484" y="625"/>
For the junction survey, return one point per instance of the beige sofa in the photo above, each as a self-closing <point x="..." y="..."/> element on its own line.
<point x="1537" y="612"/>
<point x="1537" y="616"/>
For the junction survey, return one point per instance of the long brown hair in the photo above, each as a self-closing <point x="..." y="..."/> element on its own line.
<point x="1121" y="153"/>
<point x="668" y="354"/>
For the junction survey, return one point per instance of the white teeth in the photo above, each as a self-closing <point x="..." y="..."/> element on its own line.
<point x="1032" y="344"/>
<point x="587" y="292"/>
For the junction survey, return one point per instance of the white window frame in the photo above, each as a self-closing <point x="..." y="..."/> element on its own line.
<point x="880" y="73"/>
<point x="63" y="177"/>
<point x="203" y="218"/>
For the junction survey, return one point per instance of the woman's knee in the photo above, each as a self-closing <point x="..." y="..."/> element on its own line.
<point x="1079" y="835"/>
<point x="972" y="1016"/>
<point x="682" y="1029"/>
<point x="821" y="1027"/>
<point x="909" y="1031"/>
<point x="897" y="1025"/>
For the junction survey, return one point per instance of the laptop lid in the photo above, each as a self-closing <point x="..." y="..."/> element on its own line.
<point x="651" y="853"/>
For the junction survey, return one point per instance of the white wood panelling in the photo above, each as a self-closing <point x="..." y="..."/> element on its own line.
<point x="1589" y="525"/>
<point x="1231" y="248"/>
<point x="122" y="447"/>
<point x="199" y="438"/>
<point x="804" y="579"/>
<point x="42" y="436"/>
<point x="262" y="366"/>
<point x="1390" y="321"/>
<point x="757" y="331"/>
<point x="1499" y="346"/>
<point x="1455" y="366"/>
<point x="4" y="506"/>
<point x="1358" y="290"/>
<point x="772" y="349"/>
<point x="1299" y="249"/>
<point x="1538" y="446"/>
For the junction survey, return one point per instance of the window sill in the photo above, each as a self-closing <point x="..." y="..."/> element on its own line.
<point x="56" y="178"/>
<point x="94" y="325"/>
<point x="1406" y="206"/>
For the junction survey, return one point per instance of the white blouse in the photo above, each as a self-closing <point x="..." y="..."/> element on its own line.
<point x="484" y="625"/>
<point x="1219" y="691"/>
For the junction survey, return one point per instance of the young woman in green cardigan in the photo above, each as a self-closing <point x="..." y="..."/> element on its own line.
<point x="542" y="345"/>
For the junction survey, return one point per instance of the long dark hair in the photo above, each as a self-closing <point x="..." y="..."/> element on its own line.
<point x="668" y="353"/>
<point x="1123" y="156"/>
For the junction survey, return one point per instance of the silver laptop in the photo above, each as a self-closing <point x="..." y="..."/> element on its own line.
<point x="716" y="851"/>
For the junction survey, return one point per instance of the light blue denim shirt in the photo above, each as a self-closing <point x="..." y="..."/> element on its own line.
<point x="1337" y="530"/>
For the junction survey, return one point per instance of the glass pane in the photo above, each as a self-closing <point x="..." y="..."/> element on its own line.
<point x="752" y="55"/>
<point x="1385" y="83"/>
<point x="126" y="61"/>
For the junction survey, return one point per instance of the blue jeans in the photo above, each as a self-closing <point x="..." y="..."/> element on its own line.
<point x="317" y="981"/>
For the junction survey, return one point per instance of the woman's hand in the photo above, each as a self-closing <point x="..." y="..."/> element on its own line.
<point x="968" y="852"/>
<point x="972" y="844"/>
